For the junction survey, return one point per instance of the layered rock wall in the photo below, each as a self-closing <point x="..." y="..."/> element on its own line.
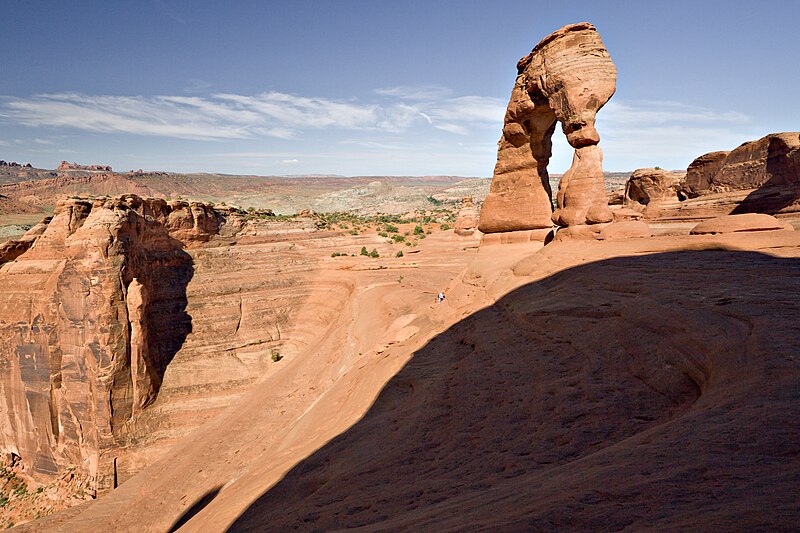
<point x="771" y="160"/>
<point x="90" y="316"/>
<point x="566" y="78"/>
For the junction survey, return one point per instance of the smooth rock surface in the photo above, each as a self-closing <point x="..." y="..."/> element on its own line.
<point x="743" y="222"/>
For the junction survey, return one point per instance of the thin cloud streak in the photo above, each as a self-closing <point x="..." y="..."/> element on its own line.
<point x="230" y="116"/>
<point x="403" y="123"/>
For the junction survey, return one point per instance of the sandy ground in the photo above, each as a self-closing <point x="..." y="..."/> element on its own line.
<point x="635" y="384"/>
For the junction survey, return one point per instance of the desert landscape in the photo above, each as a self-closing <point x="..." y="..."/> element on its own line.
<point x="545" y="349"/>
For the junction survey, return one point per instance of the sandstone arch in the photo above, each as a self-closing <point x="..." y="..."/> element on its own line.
<point x="566" y="78"/>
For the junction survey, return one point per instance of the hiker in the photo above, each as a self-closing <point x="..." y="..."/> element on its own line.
<point x="440" y="298"/>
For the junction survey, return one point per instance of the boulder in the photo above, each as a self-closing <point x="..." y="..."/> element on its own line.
<point x="651" y="184"/>
<point x="566" y="78"/>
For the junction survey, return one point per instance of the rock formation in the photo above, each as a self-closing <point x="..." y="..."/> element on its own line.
<point x="761" y="176"/>
<point x="649" y="184"/>
<point x="13" y="248"/>
<point x="701" y="172"/>
<point x="90" y="316"/>
<point x="737" y="223"/>
<point x="65" y="165"/>
<point x="567" y="77"/>
<point x="771" y="160"/>
<point x="467" y="219"/>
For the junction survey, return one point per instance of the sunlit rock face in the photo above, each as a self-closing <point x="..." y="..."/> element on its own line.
<point x="566" y="78"/>
<point x="90" y="316"/>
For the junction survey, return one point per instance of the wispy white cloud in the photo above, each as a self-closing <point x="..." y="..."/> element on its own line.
<point x="452" y="128"/>
<point x="669" y="134"/>
<point x="416" y="92"/>
<point x="290" y="161"/>
<point x="234" y="116"/>
<point x="659" y="113"/>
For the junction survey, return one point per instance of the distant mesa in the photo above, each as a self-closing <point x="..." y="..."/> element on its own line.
<point x="14" y="164"/>
<point x="75" y="166"/>
<point x="566" y="78"/>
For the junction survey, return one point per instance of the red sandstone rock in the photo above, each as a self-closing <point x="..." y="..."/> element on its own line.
<point x="90" y="315"/>
<point x="567" y="78"/>
<point x="467" y="220"/>
<point x="64" y="165"/>
<point x="701" y="172"/>
<point x="650" y="184"/>
<point x="743" y="222"/>
<point x="769" y="161"/>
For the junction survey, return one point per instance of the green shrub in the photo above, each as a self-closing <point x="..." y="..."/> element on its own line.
<point x="398" y="238"/>
<point x="383" y="234"/>
<point x="391" y="229"/>
<point x="445" y="226"/>
<point x="374" y="253"/>
<point x="276" y="355"/>
<point x="399" y="254"/>
<point x="364" y="250"/>
<point x="418" y="230"/>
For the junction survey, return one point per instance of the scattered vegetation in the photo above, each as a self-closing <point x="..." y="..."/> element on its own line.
<point x="276" y="355"/>
<point x="399" y="254"/>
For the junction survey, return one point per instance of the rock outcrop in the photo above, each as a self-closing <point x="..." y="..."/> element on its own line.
<point x="14" y="248"/>
<point x="65" y="165"/>
<point x="467" y="220"/>
<point x="567" y="77"/>
<point x="651" y="184"/>
<point x="700" y="173"/>
<point x="737" y="223"/>
<point x="771" y="160"/>
<point x="90" y="316"/>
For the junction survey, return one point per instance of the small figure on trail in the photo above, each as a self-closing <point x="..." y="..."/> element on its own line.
<point x="440" y="298"/>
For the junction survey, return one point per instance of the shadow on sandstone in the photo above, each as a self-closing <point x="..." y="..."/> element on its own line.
<point x="167" y="322"/>
<point x="642" y="392"/>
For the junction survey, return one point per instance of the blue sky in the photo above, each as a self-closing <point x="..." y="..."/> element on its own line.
<point x="374" y="87"/>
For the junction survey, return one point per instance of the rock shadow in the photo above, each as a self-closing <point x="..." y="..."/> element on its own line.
<point x="658" y="391"/>
<point x="194" y="509"/>
<point x="167" y="321"/>
<point x="156" y="276"/>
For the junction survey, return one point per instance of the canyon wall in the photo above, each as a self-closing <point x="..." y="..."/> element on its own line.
<point x="90" y="316"/>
